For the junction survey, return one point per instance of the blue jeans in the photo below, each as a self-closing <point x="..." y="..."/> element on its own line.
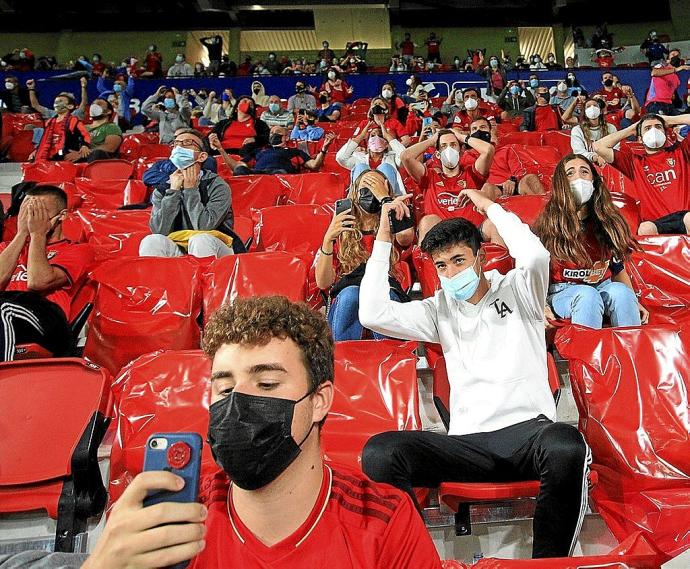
<point x="343" y="316"/>
<point x="586" y="304"/>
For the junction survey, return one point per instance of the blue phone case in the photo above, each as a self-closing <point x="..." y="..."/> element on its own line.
<point x="160" y="459"/>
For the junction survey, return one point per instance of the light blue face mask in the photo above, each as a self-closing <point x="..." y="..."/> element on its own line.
<point x="534" y="83"/>
<point x="463" y="285"/>
<point x="182" y="157"/>
<point x="274" y="108"/>
<point x="515" y="90"/>
<point x="117" y="87"/>
<point x="169" y="103"/>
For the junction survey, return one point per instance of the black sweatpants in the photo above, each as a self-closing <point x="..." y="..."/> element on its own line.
<point x="28" y="318"/>
<point x="538" y="449"/>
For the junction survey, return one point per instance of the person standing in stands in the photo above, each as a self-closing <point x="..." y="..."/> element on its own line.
<point x="14" y="98"/>
<point x="242" y="133"/>
<point x="119" y="96"/>
<point x="433" y="48"/>
<point x="661" y="174"/>
<point x="214" y="46"/>
<point x="444" y="187"/>
<point x="326" y="53"/>
<point x="406" y="47"/>
<point x="180" y="68"/>
<point x="502" y="411"/>
<point x="663" y="85"/>
<point x="589" y="242"/>
<point x="194" y="211"/>
<point x="65" y="137"/>
<point x="40" y="273"/>
<point x="653" y="49"/>
<point x="153" y="63"/>
<point x="173" y="113"/>
<point x="347" y="245"/>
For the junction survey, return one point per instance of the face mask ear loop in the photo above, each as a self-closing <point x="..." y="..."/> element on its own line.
<point x="310" y="392"/>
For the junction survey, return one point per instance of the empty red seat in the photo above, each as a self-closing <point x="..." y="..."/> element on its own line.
<point x="132" y="143"/>
<point x="319" y="188"/>
<point x="519" y="160"/>
<point x="157" y="151"/>
<point x="14" y="123"/>
<point x="527" y="208"/>
<point x="256" y="192"/>
<point x="49" y="172"/>
<point x="142" y="305"/>
<point x="49" y="441"/>
<point x="294" y="228"/>
<point x="522" y="137"/>
<point x="109" y="170"/>
<point x="253" y="274"/>
<point x="21" y="146"/>
<point x="110" y="194"/>
<point x="559" y="139"/>
<point x="110" y="232"/>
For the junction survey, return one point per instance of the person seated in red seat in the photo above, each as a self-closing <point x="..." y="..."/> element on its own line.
<point x="629" y="114"/>
<point x="193" y="212"/>
<point x="661" y="174"/>
<point x="337" y="88"/>
<point x="15" y="99"/>
<point x="592" y="127"/>
<point x="40" y="273"/>
<point x="544" y="116"/>
<point x="474" y="108"/>
<point x="589" y="242"/>
<point x="502" y="412"/>
<point x="347" y="245"/>
<point x="442" y="186"/>
<point x="615" y="98"/>
<point x="397" y="106"/>
<point x="153" y="63"/>
<point x="327" y="110"/>
<point x="380" y="106"/>
<point x="65" y="137"/>
<point x="514" y="99"/>
<point x="106" y="136"/>
<point x="242" y="132"/>
<point x="273" y="369"/>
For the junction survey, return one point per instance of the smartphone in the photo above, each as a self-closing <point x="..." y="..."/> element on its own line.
<point x="398" y="225"/>
<point x="343" y="205"/>
<point x="421" y="106"/>
<point x="426" y="121"/>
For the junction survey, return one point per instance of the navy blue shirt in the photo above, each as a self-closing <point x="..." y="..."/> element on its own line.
<point x="279" y="158"/>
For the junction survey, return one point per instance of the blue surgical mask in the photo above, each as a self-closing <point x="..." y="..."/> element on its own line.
<point x="274" y="108"/>
<point x="117" y="87"/>
<point x="534" y="83"/>
<point x="169" y="103"/>
<point x="463" y="285"/>
<point x="515" y="90"/>
<point x="182" y="157"/>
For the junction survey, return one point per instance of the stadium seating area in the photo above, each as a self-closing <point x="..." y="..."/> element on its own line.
<point x="141" y="369"/>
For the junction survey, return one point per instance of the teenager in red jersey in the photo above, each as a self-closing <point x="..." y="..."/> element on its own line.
<point x="661" y="174"/>
<point x="442" y="185"/>
<point x="272" y="376"/>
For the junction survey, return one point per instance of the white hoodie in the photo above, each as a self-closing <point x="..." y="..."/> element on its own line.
<point x="495" y="351"/>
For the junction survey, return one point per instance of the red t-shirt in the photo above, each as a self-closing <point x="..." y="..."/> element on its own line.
<point x="604" y="61"/>
<point x="546" y="118"/>
<point x="153" y="62"/>
<point x="662" y="179"/>
<point x="609" y="96"/>
<point x="463" y="120"/>
<point x="71" y="257"/>
<point x="337" y="92"/>
<point x="234" y="135"/>
<point x="393" y="125"/>
<point x="433" y="47"/>
<point x="407" y="47"/>
<point x="441" y="194"/>
<point x="592" y="274"/>
<point x="354" y="524"/>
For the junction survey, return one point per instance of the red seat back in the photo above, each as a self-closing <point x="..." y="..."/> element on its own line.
<point x="629" y="209"/>
<point x="520" y="160"/>
<point x="110" y="194"/>
<point x="375" y="391"/>
<point x="253" y="274"/>
<point x="256" y="192"/>
<point x="319" y="188"/>
<point x="522" y="137"/>
<point x="109" y="170"/>
<point x="527" y="208"/>
<point x="143" y="304"/>
<point x="15" y="123"/>
<point x="112" y="232"/>
<point x="49" y="172"/>
<point x="21" y="146"/>
<point x="131" y="144"/>
<point x="157" y="151"/>
<point x="559" y="139"/>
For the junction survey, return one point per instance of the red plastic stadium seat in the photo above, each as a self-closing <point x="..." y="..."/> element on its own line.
<point x="49" y="441"/>
<point x="21" y="146"/>
<point x="522" y="137"/>
<point x="519" y="160"/>
<point x="131" y="144"/>
<point x="161" y="392"/>
<point x="375" y="391"/>
<point x="110" y="194"/>
<point x="256" y="192"/>
<point x="109" y="170"/>
<point x="244" y="227"/>
<point x="629" y="209"/>
<point x="112" y="232"/>
<point x="527" y="208"/>
<point x="319" y="188"/>
<point x="143" y="304"/>
<point x="49" y="172"/>
<point x="253" y="274"/>
<point x="14" y="123"/>
<point x="559" y="139"/>
<point x="294" y="228"/>
<point x="157" y="151"/>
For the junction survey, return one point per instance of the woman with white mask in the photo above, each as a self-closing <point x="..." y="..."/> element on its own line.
<point x="592" y="127"/>
<point x="589" y="241"/>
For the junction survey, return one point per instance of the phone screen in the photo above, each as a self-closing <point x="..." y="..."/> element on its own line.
<point x="343" y="205"/>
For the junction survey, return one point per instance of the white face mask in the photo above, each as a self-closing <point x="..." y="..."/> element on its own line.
<point x="331" y="75"/>
<point x="450" y="157"/>
<point x="9" y="85"/>
<point x="408" y="82"/>
<point x="654" y="138"/>
<point x="96" y="111"/>
<point x="593" y="112"/>
<point x="471" y="104"/>
<point x="582" y="189"/>
<point x="387" y="93"/>
<point x="562" y="87"/>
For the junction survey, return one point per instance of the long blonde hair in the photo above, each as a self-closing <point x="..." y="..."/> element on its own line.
<point x="559" y="228"/>
<point x="351" y="251"/>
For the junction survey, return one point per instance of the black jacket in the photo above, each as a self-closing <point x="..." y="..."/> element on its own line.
<point x="7" y="97"/>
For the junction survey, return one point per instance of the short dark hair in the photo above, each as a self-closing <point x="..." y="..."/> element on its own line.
<point x="50" y="190"/>
<point x="196" y="134"/>
<point x="476" y="91"/>
<point x="649" y="117"/>
<point x="70" y="98"/>
<point x="443" y="132"/>
<point x="478" y="119"/>
<point x="11" y="78"/>
<point x="449" y="232"/>
<point x="255" y="321"/>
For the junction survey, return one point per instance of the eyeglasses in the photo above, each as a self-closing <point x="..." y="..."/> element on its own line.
<point x="185" y="144"/>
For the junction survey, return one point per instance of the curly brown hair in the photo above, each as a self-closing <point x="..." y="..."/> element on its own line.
<point x="256" y="321"/>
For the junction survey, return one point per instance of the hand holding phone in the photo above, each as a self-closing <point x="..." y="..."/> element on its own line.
<point x="399" y="225"/>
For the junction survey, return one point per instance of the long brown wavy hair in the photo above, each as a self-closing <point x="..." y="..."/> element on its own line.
<point x="561" y="231"/>
<point x="351" y="251"/>
<point x="587" y="128"/>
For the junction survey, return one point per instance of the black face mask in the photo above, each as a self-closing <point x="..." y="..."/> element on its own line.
<point x="368" y="201"/>
<point x="543" y="96"/>
<point x="608" y="83"/>
<point x="251" y="437"/>
<point x="675" y="61"/>
<point x="323" y="99"/>
<point x="378" y="110"/>
<point x="300" y="89"/>
<point x="311" y="121"/>
<point x="275" y="139"/>
<point x="481" y="135"/>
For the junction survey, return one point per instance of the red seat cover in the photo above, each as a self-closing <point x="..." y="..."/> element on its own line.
<point x="256" y="192"/>
<point x="318" y="188"/>
<point x="111" y="193"/>
<point x="109" y="170"/>
<point x="49" y="172"/>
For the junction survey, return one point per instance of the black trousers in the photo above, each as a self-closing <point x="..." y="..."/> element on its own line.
<point x="538" y="449"/>
<point x="28" y="318"/>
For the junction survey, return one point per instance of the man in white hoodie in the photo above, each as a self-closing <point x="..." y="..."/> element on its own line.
<point x="491" y="329"/>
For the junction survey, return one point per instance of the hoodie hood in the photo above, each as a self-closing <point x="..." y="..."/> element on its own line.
<point x="260" y="98"/>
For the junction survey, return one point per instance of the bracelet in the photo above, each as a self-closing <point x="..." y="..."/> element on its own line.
<point x="324" y="252"/>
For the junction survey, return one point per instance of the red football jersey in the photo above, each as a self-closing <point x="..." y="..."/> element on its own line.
<point x="599" y="270"/>
<point x="662" y="180"/>
<point x="354" y="524"/>
<point x="609" y="96"/>
<point x="546" y="117"/>
<point x="462" y="119"/>
<point x="394" y="126"/>
<point x="442" y="194"/>
<point x="70" y="257"/>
